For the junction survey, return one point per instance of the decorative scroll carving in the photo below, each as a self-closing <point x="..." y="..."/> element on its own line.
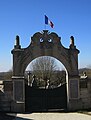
<point x="45" y="37"/>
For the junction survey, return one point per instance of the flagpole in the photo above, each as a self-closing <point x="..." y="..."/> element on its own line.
<point x="45" y="26"/>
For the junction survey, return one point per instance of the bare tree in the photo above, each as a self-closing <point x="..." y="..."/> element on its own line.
<point x="44" y="67"/>
<point x="46" y="71"/>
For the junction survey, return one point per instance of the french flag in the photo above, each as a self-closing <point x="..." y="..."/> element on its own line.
<point x="47" y="21"/>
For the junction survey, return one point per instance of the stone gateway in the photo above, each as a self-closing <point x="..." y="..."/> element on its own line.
<point x="45" y="44"/>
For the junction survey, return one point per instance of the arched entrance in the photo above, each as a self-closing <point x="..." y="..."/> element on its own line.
<point x="45" y="44"/>
<point x="45" y="85"/>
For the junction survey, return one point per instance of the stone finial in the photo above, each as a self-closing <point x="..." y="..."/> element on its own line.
<point x="72" y="40"/>
<point x="17" y="43"/>
<point x="17" y="40"/>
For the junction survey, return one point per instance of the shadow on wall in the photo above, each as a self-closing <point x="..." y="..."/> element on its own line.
<point x="1" y="93"/>
<point x="7" y="116"/>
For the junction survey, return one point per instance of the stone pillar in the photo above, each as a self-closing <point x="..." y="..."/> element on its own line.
<point x="74" y="94"/>
<point x="18" y="103"/>
<point x="18" y="94"/>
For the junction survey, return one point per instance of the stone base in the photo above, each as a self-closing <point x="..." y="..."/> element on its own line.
<point x="18" y="107"/>
<point x="74" y="105"/>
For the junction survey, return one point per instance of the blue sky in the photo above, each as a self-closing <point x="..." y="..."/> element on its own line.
<point x="25" y="17"/>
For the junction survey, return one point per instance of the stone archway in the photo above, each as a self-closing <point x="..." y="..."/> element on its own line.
<point x="45" y="44"/>
<point x="46" y="91"/>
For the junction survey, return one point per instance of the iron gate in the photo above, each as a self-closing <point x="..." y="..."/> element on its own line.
<point x="45" y="99"/>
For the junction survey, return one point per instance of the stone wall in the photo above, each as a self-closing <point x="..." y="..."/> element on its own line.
<point x="85" y="93"/>
<point x="5" y="95"/>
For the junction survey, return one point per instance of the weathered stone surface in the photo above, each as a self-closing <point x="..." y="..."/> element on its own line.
<point x="45" y="44"/>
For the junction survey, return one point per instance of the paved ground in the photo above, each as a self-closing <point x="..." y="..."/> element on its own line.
<point x="53" y="116"/>
<point x="46" y="116"/>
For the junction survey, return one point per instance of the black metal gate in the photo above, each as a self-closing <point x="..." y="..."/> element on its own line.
<point x="45" y="99"/>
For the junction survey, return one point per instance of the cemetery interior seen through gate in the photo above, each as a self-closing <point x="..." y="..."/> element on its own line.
<point x="45" y="90"/>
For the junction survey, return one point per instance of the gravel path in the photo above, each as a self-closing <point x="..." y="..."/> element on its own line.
<point x="53" y="116"/>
